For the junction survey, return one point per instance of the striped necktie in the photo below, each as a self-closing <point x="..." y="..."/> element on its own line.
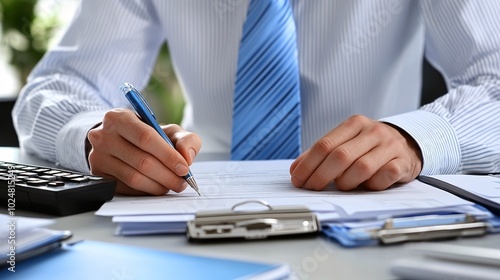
<point x="266" y="109"/>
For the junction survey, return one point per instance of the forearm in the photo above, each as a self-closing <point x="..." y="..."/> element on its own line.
<point x="436" y="138"/>
<point x="459" y="131"/>
<point x="52" y="116"/>
<point x="473" y="110"/>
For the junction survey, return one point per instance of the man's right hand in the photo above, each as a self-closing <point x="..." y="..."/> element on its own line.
<point x="135" y="154"/>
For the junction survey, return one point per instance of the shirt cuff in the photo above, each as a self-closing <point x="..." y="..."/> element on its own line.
<point x="70" y="142"/>
<point x="435" y="137"/>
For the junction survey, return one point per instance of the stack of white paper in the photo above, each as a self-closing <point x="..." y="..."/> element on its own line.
<point x="226" y="183"/>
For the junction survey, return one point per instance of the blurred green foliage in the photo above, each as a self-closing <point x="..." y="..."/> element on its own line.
<point x="26" y="34"/>
<point x="164" y="91"/>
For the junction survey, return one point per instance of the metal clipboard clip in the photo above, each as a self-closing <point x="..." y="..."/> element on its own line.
<point x="273" y="221"/>
<point x="468" y="226"/>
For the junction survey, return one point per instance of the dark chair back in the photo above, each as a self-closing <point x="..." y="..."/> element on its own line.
<point x="433" y="85"/>
<point x="8" y="136"/>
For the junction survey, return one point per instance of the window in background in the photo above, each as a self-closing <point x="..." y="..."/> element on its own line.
<point x="30" y="27"/>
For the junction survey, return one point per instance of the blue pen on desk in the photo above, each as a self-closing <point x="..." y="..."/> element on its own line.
<point x="142" y="108"/>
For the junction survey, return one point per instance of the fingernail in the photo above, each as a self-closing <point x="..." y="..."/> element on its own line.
<point x="296" y="181"/>
<point x="192" y="154"/>
<point x="184" y="186"/>
<point x="181" y="187"/>
<point x="181" y="169"/>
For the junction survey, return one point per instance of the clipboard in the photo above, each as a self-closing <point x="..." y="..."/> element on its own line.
<point x="274" y="221"/>
<point x="408" y="229"/>
<point x="390" y="234"/>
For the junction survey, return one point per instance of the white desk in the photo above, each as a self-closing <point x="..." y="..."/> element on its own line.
<point x="310" y="258"/>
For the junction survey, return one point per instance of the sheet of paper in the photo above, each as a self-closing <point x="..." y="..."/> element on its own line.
<point x="486" y="186"/>
<point x="226" y="183"/>
<point x="152" y="218"/>
<point x="151" y="224"/>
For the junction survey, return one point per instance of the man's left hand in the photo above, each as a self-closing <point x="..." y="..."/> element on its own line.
<point x="359" y="152"/>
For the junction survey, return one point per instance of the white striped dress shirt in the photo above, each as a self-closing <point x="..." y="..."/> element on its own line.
<point x="356" y="57"/>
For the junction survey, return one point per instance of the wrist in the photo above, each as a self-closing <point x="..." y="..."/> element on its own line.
<point x="412" y="146"/>
<point x="88" y="145"/>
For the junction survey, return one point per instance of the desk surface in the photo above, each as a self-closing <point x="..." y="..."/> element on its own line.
<point x="309" y="258"/>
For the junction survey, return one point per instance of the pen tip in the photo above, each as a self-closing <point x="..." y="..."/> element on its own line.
<point x="191" y="182"/>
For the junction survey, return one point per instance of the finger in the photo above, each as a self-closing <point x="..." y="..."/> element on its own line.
<point x="188" y="144"/>
<point x="341" y="159"/>
<point x="148" y="165"/>
<point x="297" y="161"/>
<point x="118" y="147"/>
<point x="121" y="188"/>
<point x="386" y="176"/>
<point x="340" y="162"/>
<point x="346" y="131"/>
<point x="128" y="175"/>
<point x="131" y="128"/>
<point x="379" y="162"/>
<point x="363" y="168"/>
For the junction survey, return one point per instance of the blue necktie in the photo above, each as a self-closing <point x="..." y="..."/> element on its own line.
<point x="266" y="109"/>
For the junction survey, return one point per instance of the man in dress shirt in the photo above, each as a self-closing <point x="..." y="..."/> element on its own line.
<point x="360" y="68"/>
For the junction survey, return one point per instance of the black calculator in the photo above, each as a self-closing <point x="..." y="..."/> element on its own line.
<point x="51" y="190"/>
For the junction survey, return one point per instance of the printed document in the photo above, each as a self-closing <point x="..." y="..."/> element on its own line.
<point x="226" y="183"/>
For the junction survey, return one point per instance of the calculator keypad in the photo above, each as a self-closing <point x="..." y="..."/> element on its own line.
<point x="55" y="191"/>
<point x="42" y="177"/>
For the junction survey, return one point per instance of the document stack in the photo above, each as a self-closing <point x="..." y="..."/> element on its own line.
<point x="352" y="218"/>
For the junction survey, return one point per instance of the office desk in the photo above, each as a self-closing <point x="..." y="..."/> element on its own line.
<point x="310" y="258"/>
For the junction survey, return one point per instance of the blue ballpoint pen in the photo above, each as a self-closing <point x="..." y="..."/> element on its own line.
<point x="142" y="108"/>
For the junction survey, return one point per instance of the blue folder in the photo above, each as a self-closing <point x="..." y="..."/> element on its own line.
<point x="482" y="218"/>
<point x="100" y="260"/>
<point x="429" y="227"/>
